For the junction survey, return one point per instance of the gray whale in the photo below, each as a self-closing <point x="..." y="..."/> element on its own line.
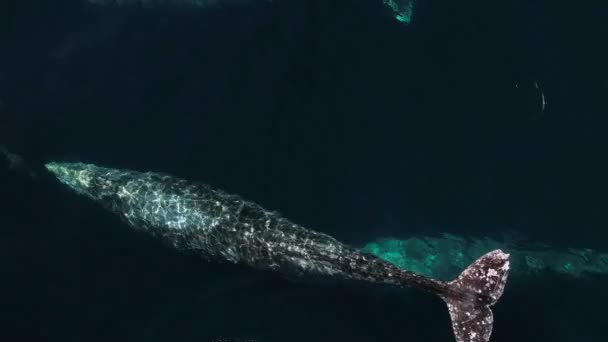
<point x="195" y="218"/>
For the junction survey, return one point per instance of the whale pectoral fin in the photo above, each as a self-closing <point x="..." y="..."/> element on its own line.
<point x="473" y="293"/>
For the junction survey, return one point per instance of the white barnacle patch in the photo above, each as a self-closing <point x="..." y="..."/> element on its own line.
<point x="302" y="263"/>
<point x="492" y="273"/>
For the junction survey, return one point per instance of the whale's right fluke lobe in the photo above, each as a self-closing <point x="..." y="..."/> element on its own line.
<point x="470" y="296"/>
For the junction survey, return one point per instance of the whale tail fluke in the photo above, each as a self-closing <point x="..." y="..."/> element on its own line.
<point x="471" y="295"/>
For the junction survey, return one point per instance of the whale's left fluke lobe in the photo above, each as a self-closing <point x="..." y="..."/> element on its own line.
<point x="195" y="218"/>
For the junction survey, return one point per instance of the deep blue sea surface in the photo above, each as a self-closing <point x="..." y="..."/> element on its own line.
<point x="331" y="112"/>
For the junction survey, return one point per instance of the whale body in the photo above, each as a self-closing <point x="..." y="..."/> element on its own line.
<point x="196" y="218"/>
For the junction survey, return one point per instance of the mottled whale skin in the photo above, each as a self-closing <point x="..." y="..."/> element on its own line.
<point x="195" y="218"/>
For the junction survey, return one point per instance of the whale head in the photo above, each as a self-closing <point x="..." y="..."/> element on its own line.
<point x="86" y="179"/>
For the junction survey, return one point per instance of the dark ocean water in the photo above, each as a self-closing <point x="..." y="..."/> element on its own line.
<point x="330" y="112"/>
